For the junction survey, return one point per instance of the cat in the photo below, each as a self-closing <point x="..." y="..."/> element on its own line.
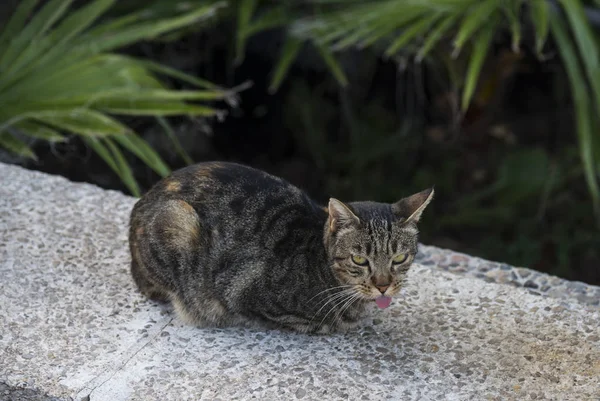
<point x="229" y="244"/>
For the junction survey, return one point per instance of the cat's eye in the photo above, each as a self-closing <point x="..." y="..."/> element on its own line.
<point x="399" y="258"/>
<point x="360" y="260"/>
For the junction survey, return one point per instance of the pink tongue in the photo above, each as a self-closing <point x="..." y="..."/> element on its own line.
<point x="383" y="301"/>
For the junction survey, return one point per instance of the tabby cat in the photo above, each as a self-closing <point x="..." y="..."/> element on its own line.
<point x="228" y="244"/>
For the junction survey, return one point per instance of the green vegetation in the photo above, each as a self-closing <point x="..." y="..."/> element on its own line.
<point x="58" y="75"/>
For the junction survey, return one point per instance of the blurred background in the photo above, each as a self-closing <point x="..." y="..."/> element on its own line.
<point x="495" y="102"/>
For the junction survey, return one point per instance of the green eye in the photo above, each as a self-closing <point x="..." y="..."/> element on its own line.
<point x="400" y="258"/>
<point x="360" y="260"/>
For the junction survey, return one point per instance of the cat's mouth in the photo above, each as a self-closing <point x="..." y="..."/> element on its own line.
<point x="383" y="301"/>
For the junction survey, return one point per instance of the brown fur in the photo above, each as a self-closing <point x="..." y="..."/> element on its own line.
<point x="173" y="186"/>
<point x="228" y="244"/>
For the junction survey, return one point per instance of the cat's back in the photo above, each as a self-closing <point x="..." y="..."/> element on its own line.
<point x="221" y="192"/>
<point x="228" y="185"/>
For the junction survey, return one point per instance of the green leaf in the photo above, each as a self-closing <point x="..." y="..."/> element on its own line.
<point x="12" y="144"/>
<point x="272" y="18"/>
<point x="480" y="50"/>
<point x="290" y="50"/>
<point x="76" y="22"/>
<point x="362" y="25"/>
<point x="115" y="160"/>
<point x="164" y="94"/>
<point x="28" y="39"/>
<point x="512" y="10"/>
<point x="124" y="170"/>
<point x="17" y="21"/>
<point x="415" y="29"/>
<point x="146" y="30"/>
<point x="246" y="9"/>
<point x="57" y="77"/>
<point x="583" y="108"/>
<point x="540" y="18"/>
<point x="333" y="65"/>
<point x="101" y="150"/>
<point x="150" y="108"/>
<point x="46" y="17"/>
<point x="378" y="33"/>
<point x="141" y="149"/>
<point x="340" y="26"/>
<point x="116" y="24"/>
<point x="586" y="42"/>
<point x="88" y="76"/>
<point x="39" y="131"/>
<point x="435" y="35"/>
<point x="351" y="39"/>
<point x="130" y="98"/>
<point x="173" y="73"/>
<point x="83" y="122"/>
<point x="473" y="21"/>
<point x="176" y="143"/>
<point x="58" y="40"/>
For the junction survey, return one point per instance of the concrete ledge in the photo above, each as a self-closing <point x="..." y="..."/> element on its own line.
<point x="72" y="325"/>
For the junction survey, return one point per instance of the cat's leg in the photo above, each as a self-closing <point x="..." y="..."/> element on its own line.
<point x="197" y="303"/>
<point x="140" y="275"/>
<point x="171" y="253"/>
<point x="162" y="240"/>
<point x="146" y="287"/>
<point x="202" y="311"/>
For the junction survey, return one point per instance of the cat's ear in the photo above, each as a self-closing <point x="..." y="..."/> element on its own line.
<point x="411" y="208"/>
<point x="340" y="215"/>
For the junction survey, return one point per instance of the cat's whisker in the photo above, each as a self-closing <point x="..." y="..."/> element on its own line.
<point x="329" y="289"/>
<point x="348" y="295"/>
<point x="332" y="298"/>
<point x="343" y="306"/>
<point x="346" y="306"/>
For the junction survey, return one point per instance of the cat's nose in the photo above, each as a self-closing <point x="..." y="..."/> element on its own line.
<point x="382" y="288"/>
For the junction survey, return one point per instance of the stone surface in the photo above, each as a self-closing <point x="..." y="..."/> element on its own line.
<point x="9" y="393"/>
<point x="536" y="282"/>
<point x="72" y="325"/>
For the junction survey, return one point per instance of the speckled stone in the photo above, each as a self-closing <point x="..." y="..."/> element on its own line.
<point x="72" y="326"/>
<point x="540" y="283"/>
<point x="9" y="393"/>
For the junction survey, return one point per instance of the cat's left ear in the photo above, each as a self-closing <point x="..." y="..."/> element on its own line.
<point x="411" y="208"/>
<point x="340" y="215"/>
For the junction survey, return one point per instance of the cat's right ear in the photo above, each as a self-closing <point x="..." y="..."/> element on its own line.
<point x="340" y="216"/>
<point x="411" y="208"/>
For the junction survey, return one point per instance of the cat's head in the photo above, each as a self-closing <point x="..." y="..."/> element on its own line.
<point x="372" y="245"/>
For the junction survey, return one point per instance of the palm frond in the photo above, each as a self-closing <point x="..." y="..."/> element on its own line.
<point x="436" y="35"/>
<point x="244" y="14"/>
<point x="173" y="138"/>
<point x="480" y="50"/>
<point x="334" y="66"/>
<point x="58" y="76"/>
<point x="17" y="21"/>
<point x="473" y="20"/>
<point x="419" y="26"/>
<point x="15" y="145"/>
<point x="251" y="20"/>
<point x="512" y="11"/>
<point x="289" y="52"/>
<point x="539" y="15"/>
<point x="39" y="131"/>
<point x="583" y="106"/>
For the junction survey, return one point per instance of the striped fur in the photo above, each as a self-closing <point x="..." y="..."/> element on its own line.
<point x="229" y="244"/>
